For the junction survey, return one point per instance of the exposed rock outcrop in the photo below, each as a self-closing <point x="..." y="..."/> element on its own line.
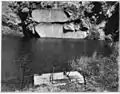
<point x="55" y="24"/>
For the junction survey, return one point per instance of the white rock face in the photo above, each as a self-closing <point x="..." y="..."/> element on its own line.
<point x="49" y="30"/>
<point x="56" y="31"/>
<point x="75" y="35"/>
<point x="49" y="15"/>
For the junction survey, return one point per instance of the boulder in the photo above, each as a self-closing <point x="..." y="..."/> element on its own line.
<point x="25" y="10"/>
<point x="69" y="27"/>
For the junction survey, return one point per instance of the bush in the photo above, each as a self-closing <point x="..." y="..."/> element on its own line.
<point x="100" y="72"/>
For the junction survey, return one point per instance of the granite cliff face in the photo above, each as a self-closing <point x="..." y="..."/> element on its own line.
<point x="87" y="20"/>
<point x="54" y="23"/>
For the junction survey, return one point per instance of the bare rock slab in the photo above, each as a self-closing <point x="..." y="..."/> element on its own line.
<point x="58" y="78"/>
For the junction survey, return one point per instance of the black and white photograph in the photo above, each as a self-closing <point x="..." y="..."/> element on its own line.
<point x="60" y="46"/>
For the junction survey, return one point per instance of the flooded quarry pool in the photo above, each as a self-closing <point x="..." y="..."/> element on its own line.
<point x="39" y="56"/>
<point x="60" y="46"/>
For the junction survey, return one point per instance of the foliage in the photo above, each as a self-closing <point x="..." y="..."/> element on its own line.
<point x="101" y="72"/>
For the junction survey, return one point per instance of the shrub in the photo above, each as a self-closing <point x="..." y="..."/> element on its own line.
<point x="101" y="72"/>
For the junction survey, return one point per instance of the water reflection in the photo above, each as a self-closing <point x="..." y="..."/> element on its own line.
<point x="40" y="55"/>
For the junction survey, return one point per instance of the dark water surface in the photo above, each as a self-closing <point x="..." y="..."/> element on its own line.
<point x="40" y="55"/>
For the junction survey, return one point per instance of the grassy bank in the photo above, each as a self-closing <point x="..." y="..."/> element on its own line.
<point x="101" y="73"/>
